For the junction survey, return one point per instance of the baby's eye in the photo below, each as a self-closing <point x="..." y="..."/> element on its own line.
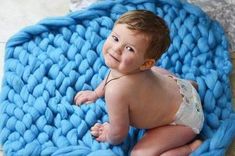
<point x="130" y="49"/>
<point x="115" y="38"/>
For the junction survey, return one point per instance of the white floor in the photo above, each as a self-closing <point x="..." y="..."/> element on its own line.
<point x="14" y="15"/>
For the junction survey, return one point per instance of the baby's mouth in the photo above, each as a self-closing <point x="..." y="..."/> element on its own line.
<point x="113" y="57"/>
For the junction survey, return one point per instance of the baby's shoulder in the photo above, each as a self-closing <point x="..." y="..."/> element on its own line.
<point x="162" y="71"/>
<point x="116" y="93"/>
<point x="122" y="87"/>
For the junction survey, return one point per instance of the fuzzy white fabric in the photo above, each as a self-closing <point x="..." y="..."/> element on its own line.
<point x="222" y="11"/>
<point x="80" y="4"/>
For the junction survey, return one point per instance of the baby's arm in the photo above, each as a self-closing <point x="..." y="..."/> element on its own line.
<point x="89" y="96"/>
<point x="116" y="130"/>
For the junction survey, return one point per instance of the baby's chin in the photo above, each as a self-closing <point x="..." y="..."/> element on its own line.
<point x="111" y="63"/>
<point x="116" y="66"/>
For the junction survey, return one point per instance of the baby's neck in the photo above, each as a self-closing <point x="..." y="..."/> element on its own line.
<point x="115" y="75"/>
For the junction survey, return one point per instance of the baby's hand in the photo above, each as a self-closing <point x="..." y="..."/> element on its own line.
<point x="100" y="131"/>
<point x="85" y="97"/>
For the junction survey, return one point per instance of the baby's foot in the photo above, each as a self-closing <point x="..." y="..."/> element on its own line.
<point x="195" y="144"/>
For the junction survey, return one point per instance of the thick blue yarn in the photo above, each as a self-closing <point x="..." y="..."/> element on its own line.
<point x="46" y="64"/>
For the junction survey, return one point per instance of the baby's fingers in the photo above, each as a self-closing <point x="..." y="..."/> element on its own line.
<point x="95" y="130"/>
<point x="84" y="97"/>
<point x="96" y="126"/>
<point x="90" y="101"/>
<point x="81" y="100"/>
<point x="77" y="95"/>
<point x="101" y="138"/>
<point x="95" y="133"/>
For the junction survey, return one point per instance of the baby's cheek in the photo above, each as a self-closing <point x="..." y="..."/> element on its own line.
<point x="106" y="46"/>
<point x="128" y="62"/>
<point x="104" y="49"/>
<point x="131" y="64"/>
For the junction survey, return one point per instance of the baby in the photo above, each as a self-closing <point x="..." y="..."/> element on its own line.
<point x="142" y="95"/>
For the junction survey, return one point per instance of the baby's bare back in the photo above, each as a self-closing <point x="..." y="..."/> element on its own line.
<point x="154" y="101"/>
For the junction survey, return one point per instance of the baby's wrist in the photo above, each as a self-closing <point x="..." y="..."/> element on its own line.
<point x="96" y="94"/>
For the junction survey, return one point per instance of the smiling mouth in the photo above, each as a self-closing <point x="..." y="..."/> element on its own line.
<point x="113" y="57"/>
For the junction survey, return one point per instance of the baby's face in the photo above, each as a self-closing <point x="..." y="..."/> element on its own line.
<point x="124" y="49"/>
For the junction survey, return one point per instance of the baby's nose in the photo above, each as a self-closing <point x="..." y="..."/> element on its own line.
<point x="118" y="49"/>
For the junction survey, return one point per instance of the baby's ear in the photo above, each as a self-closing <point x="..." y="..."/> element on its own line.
<point x="147" y="64"/>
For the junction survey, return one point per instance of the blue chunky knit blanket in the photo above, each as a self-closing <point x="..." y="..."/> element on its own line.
<point x="47" y="63"/>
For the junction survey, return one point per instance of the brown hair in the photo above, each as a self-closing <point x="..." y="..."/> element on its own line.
<point x="153" y="26"/>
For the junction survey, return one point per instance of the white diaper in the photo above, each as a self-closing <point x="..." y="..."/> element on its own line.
<point x="190" y="112"/>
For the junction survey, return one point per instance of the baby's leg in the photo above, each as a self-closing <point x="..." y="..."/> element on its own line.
<point x="159" y="140"/>
<point x="183" y="150"/>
